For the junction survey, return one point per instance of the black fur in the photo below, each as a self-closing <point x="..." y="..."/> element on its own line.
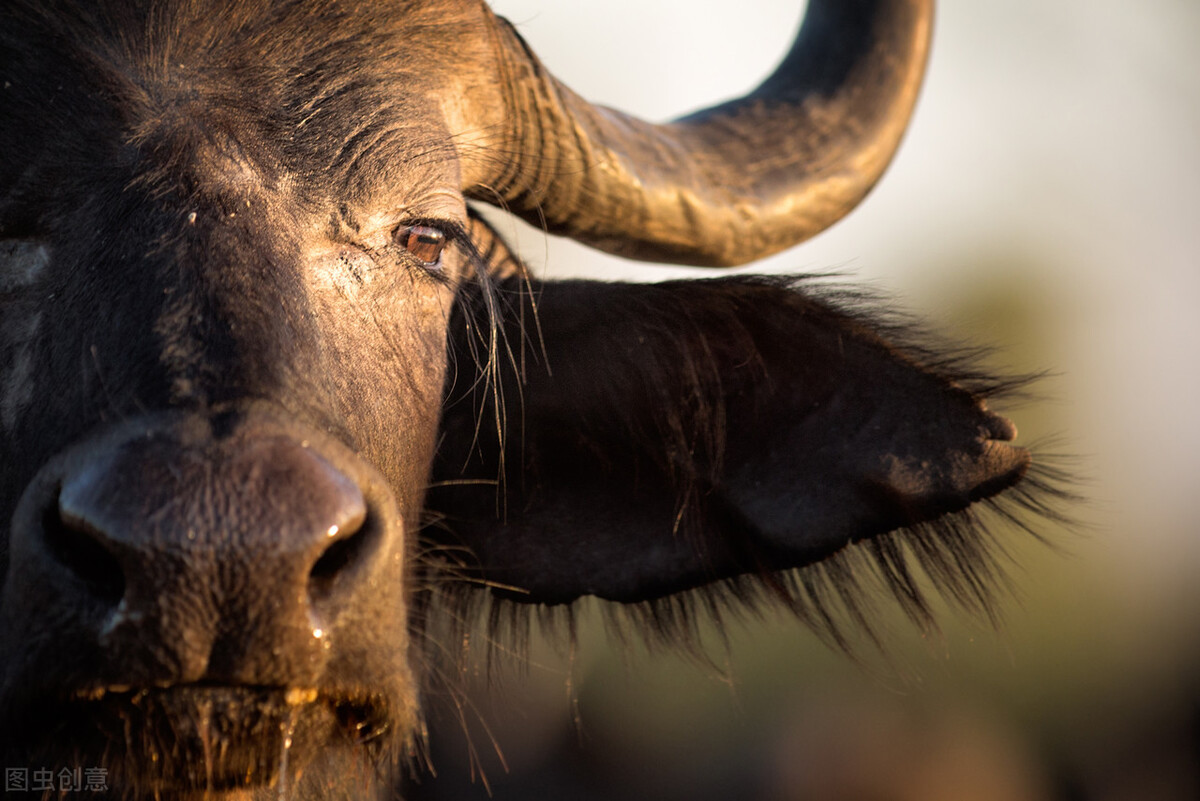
<point x="217" y="190"/>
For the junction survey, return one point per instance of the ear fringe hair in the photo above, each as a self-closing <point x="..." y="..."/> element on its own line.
<point x="877" y="317"/>
<point x="960" y="558"/>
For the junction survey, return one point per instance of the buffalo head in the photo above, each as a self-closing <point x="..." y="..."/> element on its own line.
<point x="272" y="395"/>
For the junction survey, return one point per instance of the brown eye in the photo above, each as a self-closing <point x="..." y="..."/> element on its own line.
<point x="424" y="242"/>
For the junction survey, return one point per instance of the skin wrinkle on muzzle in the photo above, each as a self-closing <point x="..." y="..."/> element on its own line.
<point x="283" y="415"/>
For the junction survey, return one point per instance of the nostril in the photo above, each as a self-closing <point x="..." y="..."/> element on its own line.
<point x="348" y="546"/>
<point x="78" y="548"/>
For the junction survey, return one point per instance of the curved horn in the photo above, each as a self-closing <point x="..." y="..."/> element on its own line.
<point x="726" y="185"/>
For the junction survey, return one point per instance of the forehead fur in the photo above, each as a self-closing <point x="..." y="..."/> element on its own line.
<point x="343" y="97"/>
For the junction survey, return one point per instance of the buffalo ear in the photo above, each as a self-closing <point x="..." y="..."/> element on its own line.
<point x="630" y="441"/>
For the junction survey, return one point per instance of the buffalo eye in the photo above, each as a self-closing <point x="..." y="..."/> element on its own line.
<point x="423" y="242"/>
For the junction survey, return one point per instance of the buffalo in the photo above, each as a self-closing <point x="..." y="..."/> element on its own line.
<point x="280" y="412"/>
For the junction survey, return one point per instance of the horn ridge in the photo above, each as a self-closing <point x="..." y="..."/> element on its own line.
<point x="725" y="185"/>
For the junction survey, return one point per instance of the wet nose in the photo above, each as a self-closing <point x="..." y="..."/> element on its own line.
<point x="226" y="555"/>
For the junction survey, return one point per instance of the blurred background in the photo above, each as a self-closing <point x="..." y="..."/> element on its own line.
<point x="1046" y="201"/>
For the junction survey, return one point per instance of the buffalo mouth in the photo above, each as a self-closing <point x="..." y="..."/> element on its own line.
<point x="206" y="739"/>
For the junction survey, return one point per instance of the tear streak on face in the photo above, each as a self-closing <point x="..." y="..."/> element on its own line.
<point x="21" y="265"/>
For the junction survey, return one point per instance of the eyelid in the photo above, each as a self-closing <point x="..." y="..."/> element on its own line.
<point x="453" y="230"/>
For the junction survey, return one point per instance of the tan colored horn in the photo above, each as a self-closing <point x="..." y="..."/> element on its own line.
<point x="724" y="186"/>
